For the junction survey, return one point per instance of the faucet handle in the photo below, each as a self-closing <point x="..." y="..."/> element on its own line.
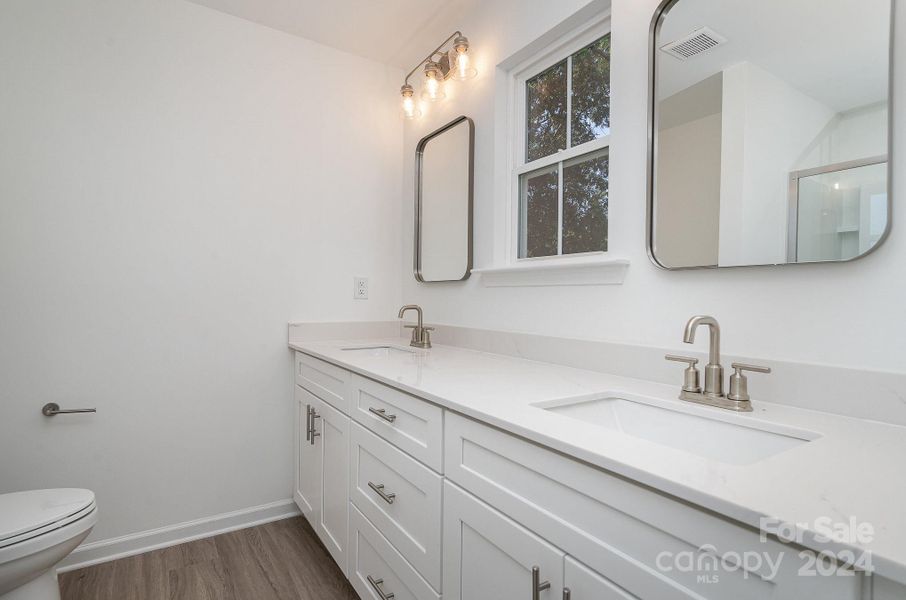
<point x="421" y="336"/>
<point x="691" y="377"/>
<point x="739" y="383"/>
<point x="683" y="359"/>
<point x="740" y="367"/>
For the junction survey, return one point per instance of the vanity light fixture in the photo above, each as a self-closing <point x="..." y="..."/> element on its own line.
<point x="410" y="108"/>
<point x="462" y="69"/>
<point x="434" y="83"/>
<point x="439" y="66"/>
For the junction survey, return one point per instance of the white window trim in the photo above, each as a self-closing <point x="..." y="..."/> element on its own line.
<point x="567" y="45"/>
<point x="591" y="268"/>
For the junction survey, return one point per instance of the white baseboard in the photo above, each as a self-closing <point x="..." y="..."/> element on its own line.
<point x="136" y="543"/>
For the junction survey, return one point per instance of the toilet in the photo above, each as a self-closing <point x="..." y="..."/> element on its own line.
<point x="38" y="529"/>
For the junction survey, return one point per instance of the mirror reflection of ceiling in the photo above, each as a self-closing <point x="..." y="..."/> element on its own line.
<point x="827" y="49"/>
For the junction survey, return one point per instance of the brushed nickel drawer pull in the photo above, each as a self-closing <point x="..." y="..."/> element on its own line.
<point x="567" y="594"/>
<point x="538" y="586"/>
<point x="376" y="584"/>
<point x="382" y="413"/>
<point x="379" y="490"/>
<point x="312" y="415"/>
<point x="308" y="422"/>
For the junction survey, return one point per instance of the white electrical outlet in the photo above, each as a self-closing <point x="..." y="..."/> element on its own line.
<point x="360" y="288"/>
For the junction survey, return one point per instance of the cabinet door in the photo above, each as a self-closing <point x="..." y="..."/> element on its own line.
<point x="487" y="556"/>
<point x="585" y="584"/>
<point x="307" y="491"/>
<point x="331" y="436"/>
<point x="377" y="569"/>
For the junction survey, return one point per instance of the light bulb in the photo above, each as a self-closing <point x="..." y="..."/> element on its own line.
<point x="459" y="58"/>
<point x="410" y="109"/>
<point x="434" y="88"/>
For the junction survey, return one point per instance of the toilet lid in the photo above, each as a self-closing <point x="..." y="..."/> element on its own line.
<point x="21" y="512"/>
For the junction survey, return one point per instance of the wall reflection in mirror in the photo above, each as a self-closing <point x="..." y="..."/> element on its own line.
<point x="769" y="131"/>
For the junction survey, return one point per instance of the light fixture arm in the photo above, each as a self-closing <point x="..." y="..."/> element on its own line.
<point x="432" y="55"/>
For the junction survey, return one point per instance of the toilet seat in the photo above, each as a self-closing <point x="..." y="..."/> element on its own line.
<point x="27" y="515"/>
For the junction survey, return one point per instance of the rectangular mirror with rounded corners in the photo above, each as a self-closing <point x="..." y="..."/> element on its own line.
<point x="769" y="132"/>
<point x="443" y="203"/>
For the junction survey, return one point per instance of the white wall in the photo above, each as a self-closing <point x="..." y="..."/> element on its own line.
<point x="175" y="185"/>
<point x="687" y="231"/>
<point x="856" y="134"/>
<point x="767" y="125"/>
<point x="688" y="215"/>
<point x="846" y="314"/>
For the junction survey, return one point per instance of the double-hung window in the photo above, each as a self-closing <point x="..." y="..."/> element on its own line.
<point x="562" y="151"/>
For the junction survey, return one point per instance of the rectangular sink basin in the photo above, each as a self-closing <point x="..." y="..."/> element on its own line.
<point x="378" y="351"/>
<point x="730" y="438"/>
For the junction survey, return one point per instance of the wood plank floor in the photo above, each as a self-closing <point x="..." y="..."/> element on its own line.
<point x="277" y="561"/>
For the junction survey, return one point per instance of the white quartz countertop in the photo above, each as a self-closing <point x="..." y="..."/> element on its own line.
<point x="852" y="474"/>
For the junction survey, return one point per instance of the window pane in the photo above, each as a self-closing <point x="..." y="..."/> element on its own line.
<point x="539" y="219"/>
<point x="591" y="92"/>
<point x="545" y="113"/>
<point x="585" y="198"/>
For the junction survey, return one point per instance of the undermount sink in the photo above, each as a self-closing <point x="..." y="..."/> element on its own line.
<point x="379" y="351"/>
<point x="731" y="438"/>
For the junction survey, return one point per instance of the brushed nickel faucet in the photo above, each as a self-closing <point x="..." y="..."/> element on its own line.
<point x="714" y="372"/>
<point x="421" y="335"/>
<point x="713" y="393"/>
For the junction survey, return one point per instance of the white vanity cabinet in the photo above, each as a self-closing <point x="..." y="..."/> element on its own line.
<point x="581" y="583"/>
<point x="631" y="536"/>
<point x="322" y="471"/>
<point x="409" y="423"/>
<point x="307" y="486"/>
<point x="370" y="486"/>
<point x="401" y="497"/>
<point x="416" y="502"/>
<point x="487" y="555"/>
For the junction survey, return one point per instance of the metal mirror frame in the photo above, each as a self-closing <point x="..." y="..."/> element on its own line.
<point x="419" y="154"/>
<point x="651" y="213"/>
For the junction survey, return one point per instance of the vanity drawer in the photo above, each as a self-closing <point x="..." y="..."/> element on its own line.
<point x="622" y="530"/>
<point x="409" y="423"/>
<point x="324" y="380"/>
<point x="373" y="557"/>
<point x="411" y="519"/>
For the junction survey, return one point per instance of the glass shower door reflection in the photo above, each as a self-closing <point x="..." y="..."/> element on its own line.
<point x="838" y="214"/>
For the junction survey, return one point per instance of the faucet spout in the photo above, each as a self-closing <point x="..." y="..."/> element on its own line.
<point x="713" y="330"/>
<point x="417" y="309"/>
<point x="714" y="372"/>
<point x="421" y="335"/>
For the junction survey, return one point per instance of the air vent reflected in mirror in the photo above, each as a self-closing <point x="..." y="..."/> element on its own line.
<point x="699" y="41"/>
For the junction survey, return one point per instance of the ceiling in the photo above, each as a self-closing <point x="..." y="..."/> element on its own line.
<point x="835" y="51"/>
<point x="394" y="32"/>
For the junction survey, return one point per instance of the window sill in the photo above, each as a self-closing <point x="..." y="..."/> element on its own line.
<point x="557" y="271"/>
